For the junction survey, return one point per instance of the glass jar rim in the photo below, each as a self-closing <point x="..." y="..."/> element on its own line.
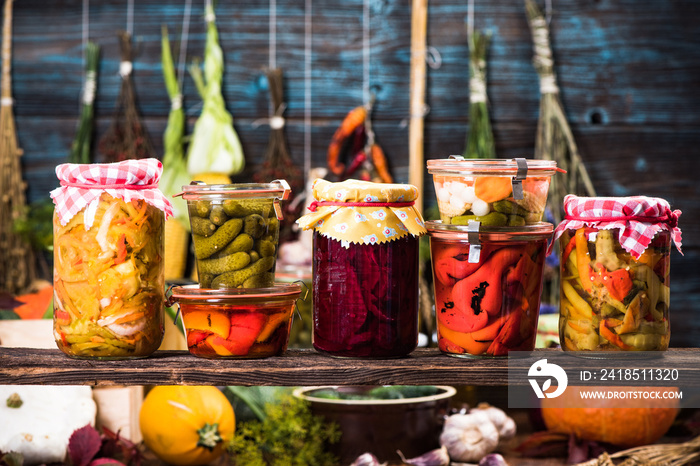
<point x="194" y="292"/>
<point x="275" y="189"/>
<point x="490" y="167"/>
<point x="533" y="231"/>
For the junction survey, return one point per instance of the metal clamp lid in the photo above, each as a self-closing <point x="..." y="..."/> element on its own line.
<point x="474" y="243"/>
<point x="517" y="182"/>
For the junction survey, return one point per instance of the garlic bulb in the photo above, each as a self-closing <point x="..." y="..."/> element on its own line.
<point x="469" y="437"/>
<point x="437" y="457"/>
<point x="504" y="423"/>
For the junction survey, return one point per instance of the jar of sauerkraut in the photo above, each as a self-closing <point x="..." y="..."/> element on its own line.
<point x="615" y="267"/>
<point x="108" y="259"/>
<point x="365" y="268"/>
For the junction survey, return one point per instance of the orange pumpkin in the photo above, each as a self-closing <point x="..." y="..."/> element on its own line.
<point x="186" y="425"/>
<point x="620" y="422"/>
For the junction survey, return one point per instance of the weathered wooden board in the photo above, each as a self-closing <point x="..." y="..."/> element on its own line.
<point x="628" y="72"/>
<point x="306" y="367"/>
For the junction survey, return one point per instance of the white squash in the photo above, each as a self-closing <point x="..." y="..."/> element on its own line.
<point x="40" y="427"/>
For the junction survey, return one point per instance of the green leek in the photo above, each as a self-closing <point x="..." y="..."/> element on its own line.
<point x="214" y="147"/>
<point x="175" y="174"/>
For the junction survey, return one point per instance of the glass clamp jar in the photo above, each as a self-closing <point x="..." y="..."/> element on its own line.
<point x="235" y="232"/>
<point x="615" y="288"/>
<point x="365" y="268"/>
<point x="495" y="192"/>
<point x="487" y="304"/>
<point x="108" y="259"/>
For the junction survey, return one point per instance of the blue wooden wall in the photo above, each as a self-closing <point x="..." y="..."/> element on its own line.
<point x="629" y="72"/>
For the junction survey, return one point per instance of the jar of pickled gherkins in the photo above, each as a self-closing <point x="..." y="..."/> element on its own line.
<point x="365" y="268"/>
<point x="235" y="232"/>
<point x="615" y="266"/>
<point x="108" y="259"/>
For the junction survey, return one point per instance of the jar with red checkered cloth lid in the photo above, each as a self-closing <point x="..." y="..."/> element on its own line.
<point x="615" y="263"/>
<point x="108" y="259"/>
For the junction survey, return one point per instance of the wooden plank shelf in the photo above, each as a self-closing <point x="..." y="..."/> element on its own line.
<point x="305" y="367"/>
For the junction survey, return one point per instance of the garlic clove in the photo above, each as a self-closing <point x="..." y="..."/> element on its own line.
<point x="494" y="459"/>
<point x="367" y="459"/>
<point x="437" y="457"/>
<point x="469" y="437"/>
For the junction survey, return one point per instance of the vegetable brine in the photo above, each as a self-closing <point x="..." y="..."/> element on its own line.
<point x="108" y="259"/>
<point x="615" y="273"/>
<point x="365" y="268"/>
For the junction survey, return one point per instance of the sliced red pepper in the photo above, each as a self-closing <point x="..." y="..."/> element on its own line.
<point x="121" y="249"/>
<point x="612" y="337"/>
<point x="618" y="283"/>
<point x="567" y="249"/>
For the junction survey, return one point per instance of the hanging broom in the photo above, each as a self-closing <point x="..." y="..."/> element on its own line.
<point x="127" y="137"/>
<point x="278" y="163"/>
<point x="17" y="270"/>
<point x="554" y="141"/>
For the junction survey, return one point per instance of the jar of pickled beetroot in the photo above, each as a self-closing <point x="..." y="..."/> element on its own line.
<point x="365" y="268"/>
<point x="242" y="323"/>
<point x="615" y="273"/>
<point x="488" y="286"/>
<point x="108" y="259"/>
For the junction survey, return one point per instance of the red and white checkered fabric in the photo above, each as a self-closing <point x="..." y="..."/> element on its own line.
<point x="82" y="185"/>
<point x="638" y="218"/>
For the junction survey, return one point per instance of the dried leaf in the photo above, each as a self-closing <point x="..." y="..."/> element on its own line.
<point x="83" y="445"/>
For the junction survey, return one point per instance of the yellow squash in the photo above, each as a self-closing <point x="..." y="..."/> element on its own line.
<point x="186" y="425"/>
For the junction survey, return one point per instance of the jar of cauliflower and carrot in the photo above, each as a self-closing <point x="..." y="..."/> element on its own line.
<point x="615" y="264"/>
<point x="109" y="287"/>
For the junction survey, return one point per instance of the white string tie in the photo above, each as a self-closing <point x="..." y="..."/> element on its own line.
<point x="548" y="84"/>
<point x="90" y="87"/>
<point x="210" y="17"/>
<point x="6" y="102"/>
<point x="125" y="68"/>
<point x="477" y="87"/>
<point x="540" y="38"/>
<point x="176" y="102"/>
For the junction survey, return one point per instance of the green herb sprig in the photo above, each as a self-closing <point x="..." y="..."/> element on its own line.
<point x="289" y="434"/>
<point x="480" y="141"/>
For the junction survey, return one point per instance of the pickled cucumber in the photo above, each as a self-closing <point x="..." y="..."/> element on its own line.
<point x="235" y="261"/>
<point x="242" y="243"/>
<point x="218" y="216"/>
<point x="205" y="280"/>
<point x="255" y="225"/>
<point x="261" y="280"/>
<point x="235" y="208"/>
<point x="202" y="226"/>
<point x="237" y="277"/>
<point x="265" y="248"/>
<point x="200" y="208"/>
<point x="254" y="256"/>
<point x="205" y="247"/>
<point x="492" y="219"/>
<point x="509" y="208"/>
<point x="516" y="220"/>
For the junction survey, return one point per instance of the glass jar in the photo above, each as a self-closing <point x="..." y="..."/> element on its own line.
<point x="487" y="306"/>
<point x="365" y="268"/>
<point x="615" y="263"/>
<point x="496" y="192"/>
<point x="108" y="259"/>
<point x="242" y="323"/>
<point x="235" y="232"/>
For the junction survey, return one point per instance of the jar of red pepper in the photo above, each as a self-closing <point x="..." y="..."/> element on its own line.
<point x="365" y="268"/>
<point x="615" y="273"/>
